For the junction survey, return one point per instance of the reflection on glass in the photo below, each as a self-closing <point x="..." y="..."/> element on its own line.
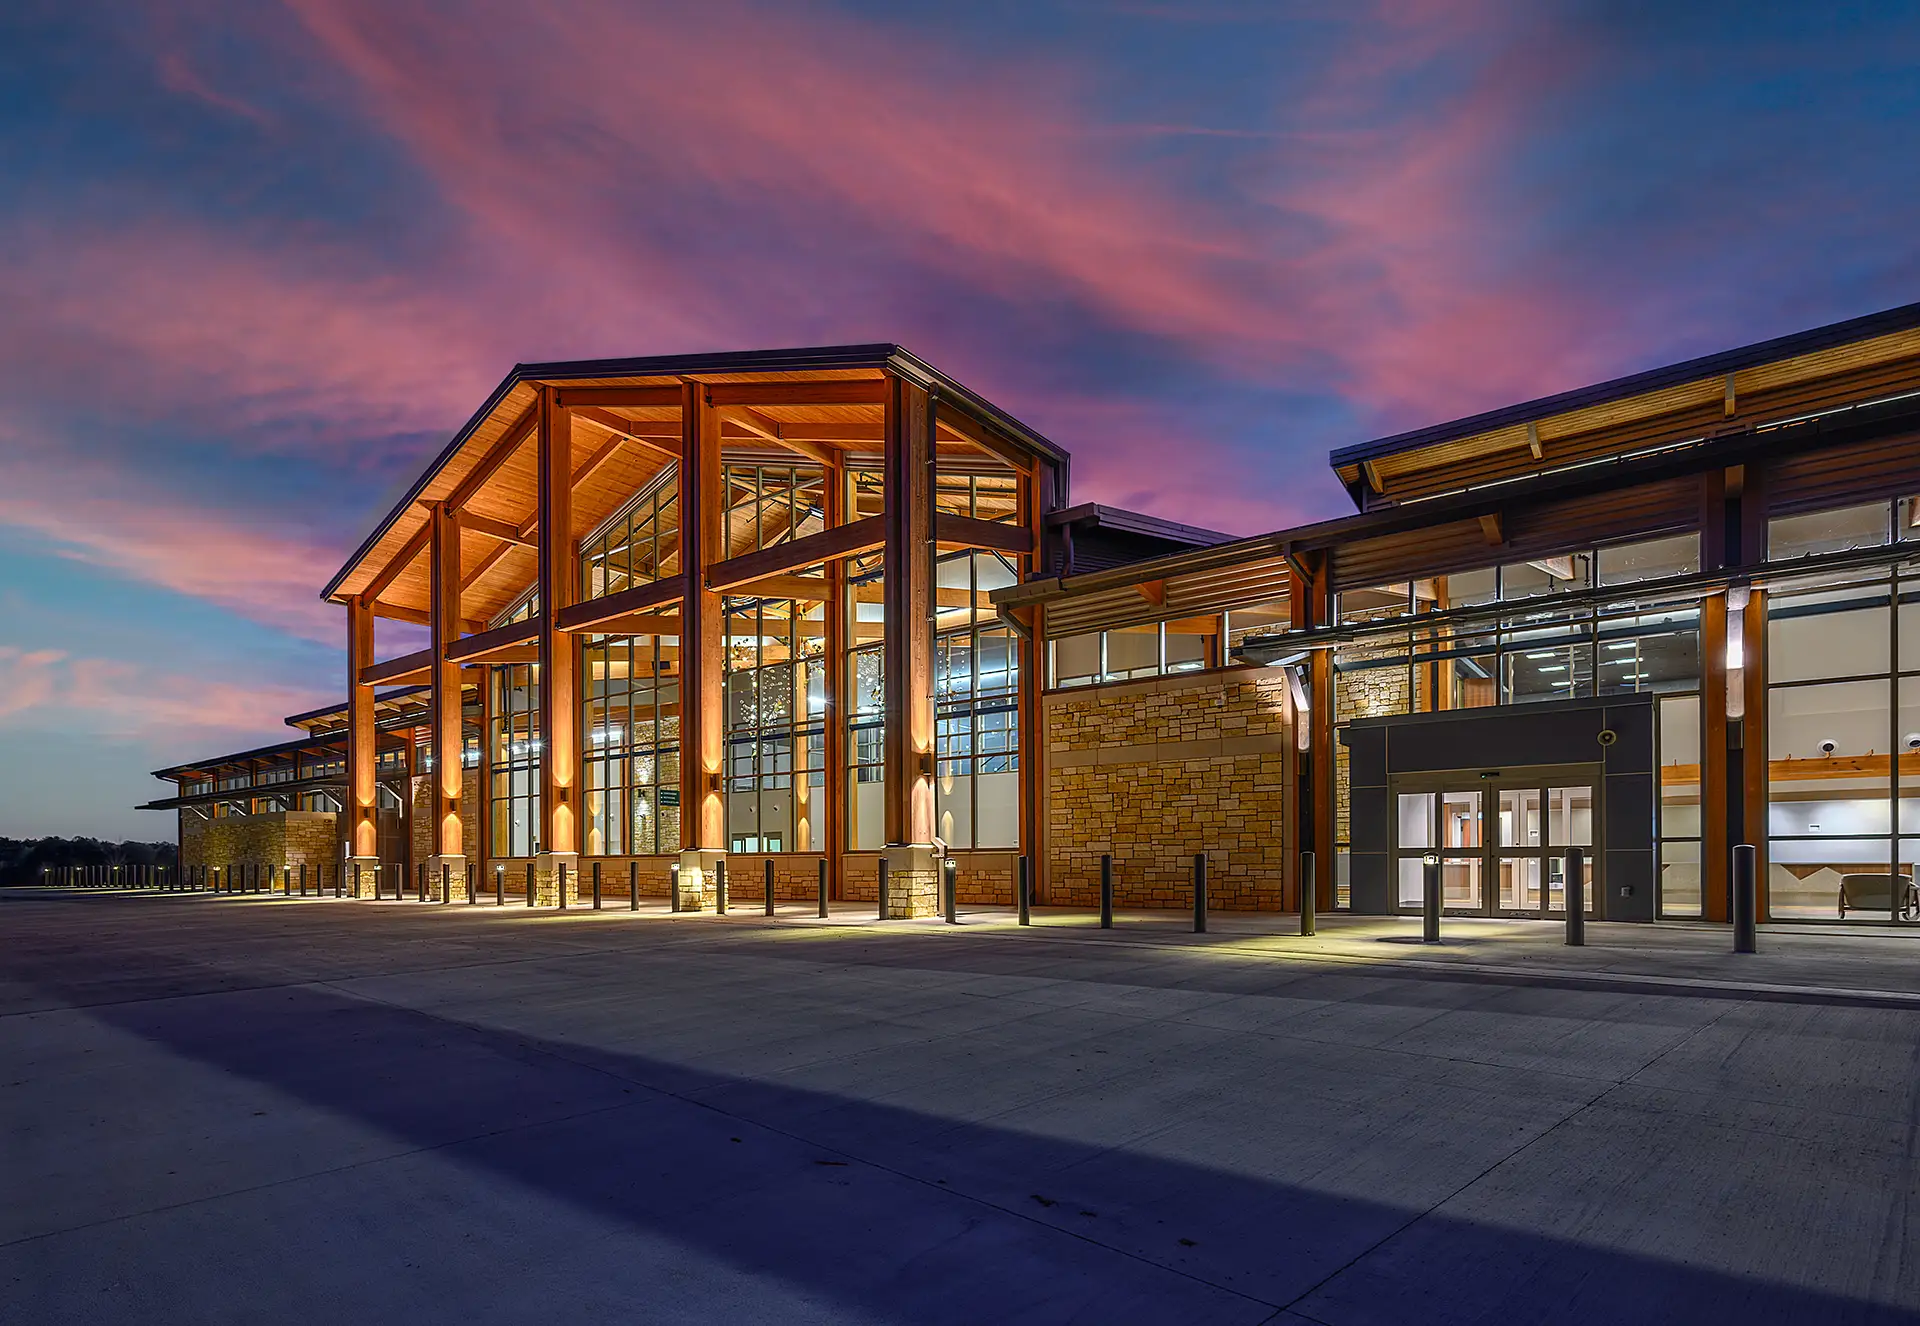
<point x="1570" y="817"/>
<point x="1460" y="883"/>
<point x="1460" y="819"/>
<point x="1416" y="819"/>
<point x="1520" y="884"/>
<point x="1520" y="817"/>
<point x="1680" y="879"/>
<point x="1832" y="879"/>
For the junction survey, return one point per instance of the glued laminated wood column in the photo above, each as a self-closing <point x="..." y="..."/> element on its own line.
<point x="836" y="684"/>
<point x="909" y="622"/>
<point x="362" y="830"/>
<point x="448" y="747"/>
<point x="559" y="666"/>
<point x="1714" y="847"/>
<point x="1754" y="766"/>
<point x="702" y="543"/>
<point x="1032" y="737"/>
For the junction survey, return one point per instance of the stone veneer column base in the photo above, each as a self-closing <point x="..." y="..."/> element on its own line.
<point x="697" y="879"/>
<point x="456" y="878"/>
<point x="368" y="883"/>
<point x="913" y="881"/>
<point x="546" y="878"/>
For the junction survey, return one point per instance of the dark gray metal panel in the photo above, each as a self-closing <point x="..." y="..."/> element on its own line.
<point x="1372" y="883"/>
<point x="1628" y="868"/>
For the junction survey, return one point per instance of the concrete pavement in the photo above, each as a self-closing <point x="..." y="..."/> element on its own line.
<point x="251" y="1109"/>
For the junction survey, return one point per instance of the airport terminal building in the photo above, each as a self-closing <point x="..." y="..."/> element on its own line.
<point x="830" y="606"/>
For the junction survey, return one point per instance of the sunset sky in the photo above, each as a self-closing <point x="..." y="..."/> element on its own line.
<point x="258" y="260"/>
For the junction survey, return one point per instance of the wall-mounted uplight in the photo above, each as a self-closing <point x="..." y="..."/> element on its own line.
<point x="1737" y="598"/>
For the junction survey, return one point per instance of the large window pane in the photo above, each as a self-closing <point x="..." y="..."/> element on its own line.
<point x="1680" y="879"/>
<point x="1654" y="559"/>
<point x="1839" y="634"/>
<point x="1814" y="879"/>
<point x="1867" y="526"/>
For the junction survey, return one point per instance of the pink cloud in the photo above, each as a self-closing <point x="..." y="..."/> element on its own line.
<point x="89" y="513"/>
<point x="118" y="698"/>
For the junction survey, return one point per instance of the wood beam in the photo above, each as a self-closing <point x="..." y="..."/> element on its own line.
<point x="504" y="530"/>
<point x="908" y="670"/>
<point x="785" y="587"/>
<point x="750" y="419"/>
<point x="592" y="615"/>
<point x="1372" y="474"/>
<point x="968" y="429"/>
<point x="641" y="623"/>
<point x="413" y="617"/>
<point x="1533" y="441"/>
<point x="616" y="398"/>
<point x="1154" y="592"/>
<point x="483" y="644"/>
<point x="658" y="437"/>
<point x="404" y="669"/>
<point x="487" y="563"/>
<point x="509" y="442"/>
<point x="847" y="540"/>
<point x="401" y="560"/>
<point x="951" y="531"/>
<point x="449" y="747"/>
<point x="559" y="653"/>
<point x="850" y="391"/>
<point x="601" y="455"/>
<point x="1492" y="530"/>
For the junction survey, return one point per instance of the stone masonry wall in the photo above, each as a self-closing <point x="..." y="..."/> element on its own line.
<point x="280" y="838"/>
<point x="1153" y="771"/>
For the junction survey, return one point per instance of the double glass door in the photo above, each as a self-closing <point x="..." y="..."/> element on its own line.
<point x="1500" y="839"/>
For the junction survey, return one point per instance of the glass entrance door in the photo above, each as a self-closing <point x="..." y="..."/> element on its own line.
<point x="1500" y="838"/>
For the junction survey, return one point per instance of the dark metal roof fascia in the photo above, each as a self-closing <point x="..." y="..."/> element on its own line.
<point x="1623" y="471"/>
<point x="1903" y="318"/>
<point x="1136" y="522"/>
<point x="881" y="355"/>
<point x="294" y="720"/>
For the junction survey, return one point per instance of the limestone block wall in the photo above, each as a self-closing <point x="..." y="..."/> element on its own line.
<point x="421" y="836"/>
<point x="280" y="838"/>
<point x="1153" y="771"/>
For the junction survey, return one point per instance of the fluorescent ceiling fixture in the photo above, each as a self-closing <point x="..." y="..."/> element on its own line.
<point x="1558" y="667"/>
<point x="1543" y="653"/>
<point x="1619" y="644"/>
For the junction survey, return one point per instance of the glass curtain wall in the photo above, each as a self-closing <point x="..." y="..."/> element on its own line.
<point x="1843" y="723"/>
<point x="776" y="724"/>
<point x="630" y="724"/>
<point x="640" y="544"/>
<point x="1525" y="648"/>
<point x="976" y="696"/>
<point x="514" y="739"/>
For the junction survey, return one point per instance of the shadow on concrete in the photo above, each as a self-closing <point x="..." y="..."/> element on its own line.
<point x="908" y="1216"/>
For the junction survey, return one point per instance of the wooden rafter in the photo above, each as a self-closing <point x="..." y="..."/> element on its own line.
<point x="830" y="545"/>
<point x="659" y="437"/>
<point x="967" y="429"/>
<point x="855" y="391"/>
<point x="750" y="419"/>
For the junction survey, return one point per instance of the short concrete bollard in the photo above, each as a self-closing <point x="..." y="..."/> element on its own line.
<point x="1309" y="887"/>
<point x="1106" y="891"/>
<point x="1199" y="893"/>
<point x="1576" y="871"/>
<point x="1430" y="900"/>
<point x="1746" y="933"/>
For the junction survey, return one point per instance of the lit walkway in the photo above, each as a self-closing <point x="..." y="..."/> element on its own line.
<point x="319" y="1111"/>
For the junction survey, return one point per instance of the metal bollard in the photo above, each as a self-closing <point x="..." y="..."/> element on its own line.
<point x="822" y="887"/>
<point x="633" y="886"/>
<point x="473" y="894"/>
<point x="530" y="889"/>
<point x="356" y="880"/>
<point x="560" y="878"/>
<point x="1576" y="897"/>
<point x="1199" y="893"/>
<point x="883" y="888"/>
<point x="1746" y="937"/>
<point x="499" y="884"/>
<point x="596" y="886"/>
<point x="337" y="881"/>
<point x="1106" y="891"/>
<point x="1430" y="900"/>
<point x="303" y="879"/>
<point x="767" y="882"/>
<point x="673" y="885"/>
<point x="1023" y="889"/>
<point x="720" y="887"/>
<point x="446" y="883"/>
<point x="1309" y="893"/>
<point x="950" y="885"/>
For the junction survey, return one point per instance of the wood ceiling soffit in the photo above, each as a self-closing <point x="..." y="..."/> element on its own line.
<point x="968" y="429"/>
<point x="649" y="436"/>
<point x="509" y="441"/>
<point x="760" y="425"/>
